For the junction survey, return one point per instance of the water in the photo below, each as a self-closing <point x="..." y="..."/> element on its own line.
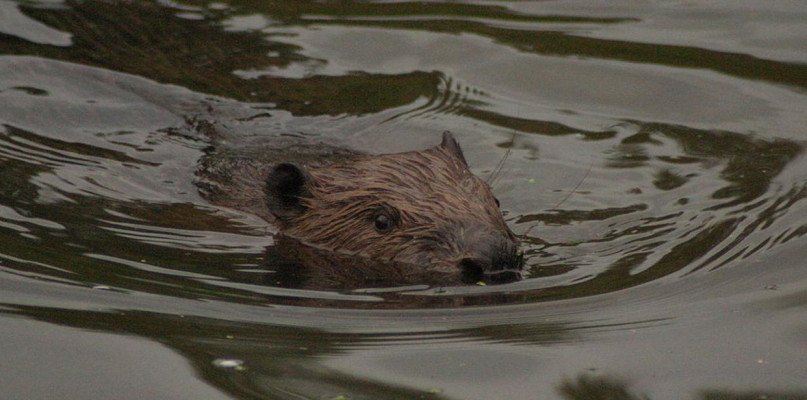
<point x="653" y="165"/>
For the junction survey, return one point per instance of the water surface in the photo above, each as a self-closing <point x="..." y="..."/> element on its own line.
<point x="653" y="166"/>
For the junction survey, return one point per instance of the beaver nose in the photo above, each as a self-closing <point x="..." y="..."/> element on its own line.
<point x="494" y="256"/>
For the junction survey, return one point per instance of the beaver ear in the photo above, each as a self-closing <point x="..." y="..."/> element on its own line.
<point x="453" y="147"/>
<point x="286" y="186"/>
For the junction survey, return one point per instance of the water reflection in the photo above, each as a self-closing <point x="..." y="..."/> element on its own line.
<point x="544" y="39"/>
<point x="590" y="387"/>
<point x="632" y="166"/>
<point x="751" y="395"/>
<point x="713" y="192"/>
<point x="276" y="361"/>
<point x="703" y="199"/>
<point x="202" y="56"/>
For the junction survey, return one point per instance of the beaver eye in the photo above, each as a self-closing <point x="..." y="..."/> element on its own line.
<point x="497" y="202"/>
<point x="383" y="222"/>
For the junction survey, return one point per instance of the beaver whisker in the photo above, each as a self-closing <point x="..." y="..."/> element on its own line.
<point x="494" y="175"/>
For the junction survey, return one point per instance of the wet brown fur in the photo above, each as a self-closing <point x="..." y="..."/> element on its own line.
<point x="440" y="209"/>
<point x="444" y="218"/>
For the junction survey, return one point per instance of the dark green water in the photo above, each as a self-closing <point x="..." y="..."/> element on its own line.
<point x="654" y="168"/>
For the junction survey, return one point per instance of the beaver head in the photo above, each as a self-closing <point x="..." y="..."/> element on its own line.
<point x="422" y="207"/>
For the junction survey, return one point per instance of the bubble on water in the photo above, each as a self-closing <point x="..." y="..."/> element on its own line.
<point x="229" y="363"/>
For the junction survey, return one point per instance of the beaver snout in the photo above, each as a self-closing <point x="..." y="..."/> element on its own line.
<point x="493" y="257"/>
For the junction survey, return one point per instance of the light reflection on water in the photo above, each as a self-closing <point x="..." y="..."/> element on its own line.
<point x="658" y="187"/>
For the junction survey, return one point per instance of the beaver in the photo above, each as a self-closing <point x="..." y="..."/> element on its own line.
<point x="424" y="209"/>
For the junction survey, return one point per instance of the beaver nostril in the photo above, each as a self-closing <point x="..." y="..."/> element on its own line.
<point x="472" y="270"/>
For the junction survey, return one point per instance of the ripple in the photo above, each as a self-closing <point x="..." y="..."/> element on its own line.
<point x="196" y="240"/>
<point x="613" y="204"/>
